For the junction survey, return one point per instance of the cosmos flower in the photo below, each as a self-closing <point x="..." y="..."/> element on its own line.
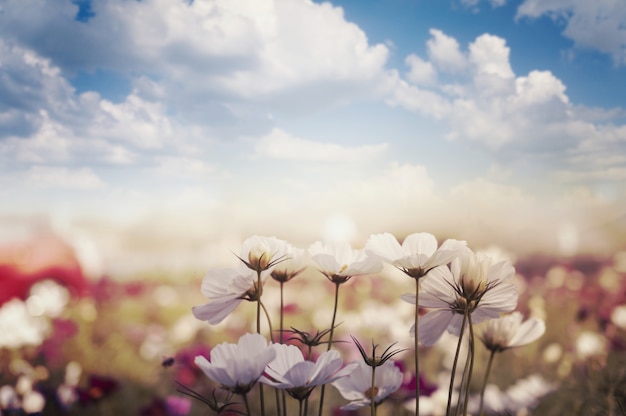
<point x="225" y="289"/>
<point x="295" y="261"/>
<point x="261" y="253"/>
<point x="291" y="372"/>
<point x="509" y="331"/>
<point x="339" y="262"/>
<point x="418" y="253"/>
<point x="357" y="386"/>
<point x="237" y="367"/>
<point x="473" y="284"/>
<point x="519" y="398"/>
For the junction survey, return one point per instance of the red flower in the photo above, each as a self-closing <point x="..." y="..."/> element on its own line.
<point x="97" y="389"/>
<point x="46" y="257"/>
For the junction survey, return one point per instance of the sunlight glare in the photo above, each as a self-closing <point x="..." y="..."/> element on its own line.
<point x="339" y="227"/>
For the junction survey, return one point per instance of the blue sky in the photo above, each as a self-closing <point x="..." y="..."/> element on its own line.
<point x="494" y="121"/>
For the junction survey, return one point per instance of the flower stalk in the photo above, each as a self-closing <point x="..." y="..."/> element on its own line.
<point x="330" y="339"/>
<point x="416" y="357"/>
<point x="454" y="364"/>
<point x="492" y="354"/>
<point x="471" y="363"/>
<point x="373" y="393"/>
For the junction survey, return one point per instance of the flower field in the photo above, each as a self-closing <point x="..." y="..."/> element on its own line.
<point x="538" y="335"/>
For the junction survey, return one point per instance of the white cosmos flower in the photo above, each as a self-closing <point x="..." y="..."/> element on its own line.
<point x="19" y="327"/>
<point x="473" y="283"/>
<point x="338" y="261"/>
<point x="261" y="253"/>
<point x="291" y="372"/>
<point x="418" y="253"/>
<point x="237" y="367"/>
<point x="357" y="386"/>
<point x="519" y="398"/>
<point x="295" y="261"/>
<point x="509" y="331"/>
<point x="225" y="289"/>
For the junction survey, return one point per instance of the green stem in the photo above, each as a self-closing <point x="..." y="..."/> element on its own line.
<point x="373" y="393"/>
<point x="482" y="390"/>
<point x="282" y="308"/>
<point x="269" y="322"/>
<point x="281" y="337"/>
<point x="464" y="381"/>
<point x="258" y="330"/>
<point x="258" y="302"/>
<point x="262" y="399"/>
<point x="330" y="342"/>
<point x="454" y="363"/>
<point x="332" y="323"/>
<point x="417" y="362"/>
<point x="471" y="365"/>
<point x="277" y="396"/>
<point x="246" y="404"/>
<point x="301" y="411"/>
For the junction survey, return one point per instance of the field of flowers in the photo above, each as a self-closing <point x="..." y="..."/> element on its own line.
<point x="189" y="344"/>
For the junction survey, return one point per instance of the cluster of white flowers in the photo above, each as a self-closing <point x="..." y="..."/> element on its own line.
<point x="28" y="322"/>
<point x="460" y="287"/>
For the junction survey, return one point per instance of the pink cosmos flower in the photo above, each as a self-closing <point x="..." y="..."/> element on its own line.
<point x="225" y="289"/>
<point x="291" y="372"/>
<point x="357" y="386"/>
<point x="237" y="367"/>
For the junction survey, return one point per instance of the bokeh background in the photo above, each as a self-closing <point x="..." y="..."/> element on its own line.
<point x="142" y="141"/>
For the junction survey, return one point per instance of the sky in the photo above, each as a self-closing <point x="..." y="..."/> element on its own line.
<point x="181" y="127"/>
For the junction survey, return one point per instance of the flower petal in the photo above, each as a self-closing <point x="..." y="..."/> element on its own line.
<point x="215" y="311"/>
<point x="528" y="332"/>
<point x="420" y="243"/>
<point x="385" y="246"/>
<point x="432" y="325"/>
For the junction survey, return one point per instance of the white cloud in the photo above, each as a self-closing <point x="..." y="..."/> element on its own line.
<point x="420" y="72"/>
<point x="599" y="24"/>
<point x="135" y="121"/>
<point x="525" y="121"/>
<point x="490" y="55"/>
<point x="180" y="166"/>
<point x="489" y="104"/>
<point x="279" y="144"/>
<point x="598" y="157"/>
<point x="54" y="142"/>
<point x="46" y="177"/>
<point x="255" y="50"/>
<point x="539" y="87"/>
<point x="304" y="43"/>
<point x="473" y="4"/>
<point x="419" y="100"/>
<point x="444" y="51"/>
<point x="43" y="120"/>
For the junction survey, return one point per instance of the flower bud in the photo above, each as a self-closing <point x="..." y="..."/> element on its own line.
<point x="259" y="257"/>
